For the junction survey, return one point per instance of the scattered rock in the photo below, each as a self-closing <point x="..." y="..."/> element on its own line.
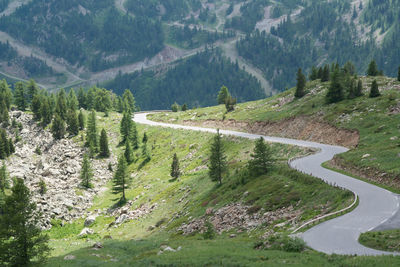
<point x="232" y="236"/>
<point x="86" y="231"/>
<point x="366" y="156"/>
<point x="90" y="220"/>
<point x="69" y="258"/>
<point x="97" y="245"/>
<point x="122" y="219"/>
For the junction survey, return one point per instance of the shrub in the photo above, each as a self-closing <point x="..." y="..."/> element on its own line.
<point x="210" y="232"/>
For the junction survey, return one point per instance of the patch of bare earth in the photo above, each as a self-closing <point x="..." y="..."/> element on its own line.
<point x="301" y="127"/>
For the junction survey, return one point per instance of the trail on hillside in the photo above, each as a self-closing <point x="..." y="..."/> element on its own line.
<point x="338" y="235"/>
<point x="12" y="6"/>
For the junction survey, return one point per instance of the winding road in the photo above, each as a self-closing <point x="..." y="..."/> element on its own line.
<point x="339" y="235"/>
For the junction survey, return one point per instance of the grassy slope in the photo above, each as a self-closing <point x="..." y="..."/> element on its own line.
<point x="383" y="240"/>
<point x="369" y="116"/>
<point x="134" y="243"/>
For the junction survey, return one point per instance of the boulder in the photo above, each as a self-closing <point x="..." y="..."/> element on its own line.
<point x="121" y="219"/>
<point x="86" y="231"/>
<point x="90" y="220"/>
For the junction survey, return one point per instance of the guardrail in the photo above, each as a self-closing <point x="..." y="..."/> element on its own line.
<point x="152" y="111"/>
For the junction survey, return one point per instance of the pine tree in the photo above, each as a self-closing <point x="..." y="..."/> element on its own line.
<point x="372" y="69"/>
<point x="21" y="240"/>
<point x="175" y="171"/>
<point x="359" y="89"/>
<point x="374" y="89"/>
<point x="11" y="146"/>
<point x="91" y="132"/>
<point x="3" y="178"/>
<point x="19" y="96"/>
<point x="134" y="137"/>
<point x="217" y="164"/>
<point x="230" y="103"/>
<point x="82" y="98"/>
<point x="35" y="107"/>
<point x="301" y="84"/>
<point x="104" y="150"/>
<point x="313" y="74"/>
<point x="81" y="120"/>
<point x="32" y="90"/>
<point x="86" y="172"/>
<point x="120" y="180"/>
<point x="72" y="122"/>
<point x="261" y="161"/>
<point x="72" y="101"/>
<point x="45" y="112"/>
<point x="145" y="138"/>
<point x="325" y="74"/>
<point x="335" y="91"/>
<point x="175" y="107"/>
<point x="128" y="97"/>
<point x="128" y="152"/>
<point x="352" y="89"/>
<point x="184" y="107"/>
<point x="126" y="126"/>
<point x="58" y="127"/>
<point x="4" y="116"/>
<point x="223" y="95"/>
<point x="61" y="105"/>
<point x="4" y="145"/>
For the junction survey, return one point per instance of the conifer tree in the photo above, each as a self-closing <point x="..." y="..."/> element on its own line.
<point x="145" y="138"/>
<point x="11" y="146"/>
<point x="301" y="84"/>
<point x="72" y="100"/>
<point x="4" y="145"/>
<point x="58" y="127"/>
<point x="374" y="89"/>
<point x="175" y="107"/>
<point x="86" y="172"/>
<point x="5" y="93"/>
<point x="120" y="180"/>
<point x="398" y="75"/>
<point x="352" y="89"/>
<point x="325" y="74"/>
<point x="184" y="107"/>
<point x="128" y="98"/>
<point x="175" y="171"/>
<point x="45" y="112"/>
<point x="261" y="161"/>
<point x="104" y="150"/>
<point x="335" y="91"/>
<point x="126" y="126"/>
<point x="223" y="95"/>
<point x="128" y="152"/>
<point x="81" y="120"/>
<point x="35" y="107"/>
<point x="91" y="131"/>
<point x="72" y="122"/>
<point x="61" y="104"/>
<point x="19" y="96"/>
<point x="4" y="116"/>
<point x="230" y="103"/>
<point x="359" y="89"/>
<point x="134" y="138"/>
<point x="314" y="73"/>
<point x="3" y="178"/>
<point x="32" y="90"/>
<point x="217" y="165"/>
<point x="372" y="69"/>
<point x="82" y="98"/>
<point x="21" y="240"/>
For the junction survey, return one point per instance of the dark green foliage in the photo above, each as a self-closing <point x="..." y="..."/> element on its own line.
<point x="3" y="178"/>
<point x="86" y="172"/>
<point x="82" y="98"/>
<point x="42" y="187"/>
<point x="81" y="120"/>
<point x="32" y="90"/>
<point x="184" y="107"/>
<point x="21" y="240"/>
<point x="194" y="82"/>
<point x="129" y="99"/>
<point x="104" y="150"/>
<point x="58" y="127"/>
<point x="325" y="74"/>
<point x="335" y="90"/>
<point x="251" y="13"/>
<point x="372" y="69"/>
<point x="359" y="90"/>
<point x="146" y="153"/>
<point x="209" y="233"/>
<point x="261" y="162"/>
<point x="217" y="165"/>
<point x="91" y="132"/>
<point x="61" y="104"/>
<point x="223" y="95"/>
<point x="85" y="38"/>
<point x="38" y="151"/>
<point x="145" y="138"/>
<point x="72" y="122"/>
<point x="175" y="171"/>
<point x="314" y="74"/>
<point x="285" y="243"/>
<point x="19" y="96"/>
<point x="374" y="89"/>
<point x="128" y="152"/>
<point x="4" y="116"/>
<point x="46" y="112"/>
<point x="398" y="75"/>
<point x="72" y="101"/>
<point x="352" y="89"/>
<point x="6" y="145"/>
<point x="175" y="107"/>
<point x="35" y="107"/>
<point x="301" y="84"/>
<point x="120" y="180"/>
<point x="5" y="94"/>
<point x="230" y="103"/>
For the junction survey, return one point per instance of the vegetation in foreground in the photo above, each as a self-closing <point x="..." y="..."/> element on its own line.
<point x="388" y="240"/>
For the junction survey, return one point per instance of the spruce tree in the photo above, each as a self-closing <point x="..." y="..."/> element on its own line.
<point x="35" y="107"/>
<point x="21" y="240"/>
<point x="398" y="75"/>
<point x="325" y="74"/>
<point x="72" y="122"/>
<point x="81" y="120"/>
<point x="217" y="165"/>
<point x="45" y="112"/>
<point x="352" y="89"/>
<point x="175" y="107"/>
<point x="32" y="90"/>
<point x="301" y="84"/>
<point x="58" y="127"/>
<point x="120" y="180"/>
<point x="184" y="107"/>
<point x="91" y="131"/>
<point x="128" y="98"/>
<point x="4" y="116"/>
<point x="61" y="104"/>
<point x="134" y="137"/>
<point x="261" y="161"/>
<point x="374" y="89"/>
<point x="126" y="126"/>
<point x="314" y="74"/>
<point x="335" y="91"/>
<point x="175" y="171"/>
<point x="72" y="100"/>
<point x="128" y="152"/>
<point x="82" y="98"/>
<point x="223" y="95"/>
<point x="19" y="96"/>
<point x="3" y="178"/>
<point x="230" y="103"/>
<point x="359" y="89"/>
<point x="86" y="172"/>
<point x="145" y="138"/>
<point x="372" y="69"/>
<point x="4" y="145"/>
<point x="104" y="150"/>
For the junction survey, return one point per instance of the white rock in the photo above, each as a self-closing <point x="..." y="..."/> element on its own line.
<point x="86" y="231"/>
<point x="121" y="219"/>
<point x="90" y="220"/>
<point x="366" y="156"/>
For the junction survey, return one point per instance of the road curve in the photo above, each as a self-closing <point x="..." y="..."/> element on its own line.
<point x="339" y="235"/>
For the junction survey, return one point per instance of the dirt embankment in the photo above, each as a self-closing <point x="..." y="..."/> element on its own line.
<point x="304" y="128"/>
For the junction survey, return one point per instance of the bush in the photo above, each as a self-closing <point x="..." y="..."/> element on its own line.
<point x="210" y="232"/>
<point x="42" y="187"/>
<point x="285" y="243"/>
<point x="38" y="151"/>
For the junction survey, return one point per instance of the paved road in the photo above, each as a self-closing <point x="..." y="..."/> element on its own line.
<point x="339" y="235"/>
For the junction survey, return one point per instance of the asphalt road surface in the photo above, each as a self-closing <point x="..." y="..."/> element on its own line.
<point x="376" y="207"/>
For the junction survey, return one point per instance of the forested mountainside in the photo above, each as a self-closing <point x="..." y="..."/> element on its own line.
<point x="92" y="42"/>
<point x="195" y="81"/>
